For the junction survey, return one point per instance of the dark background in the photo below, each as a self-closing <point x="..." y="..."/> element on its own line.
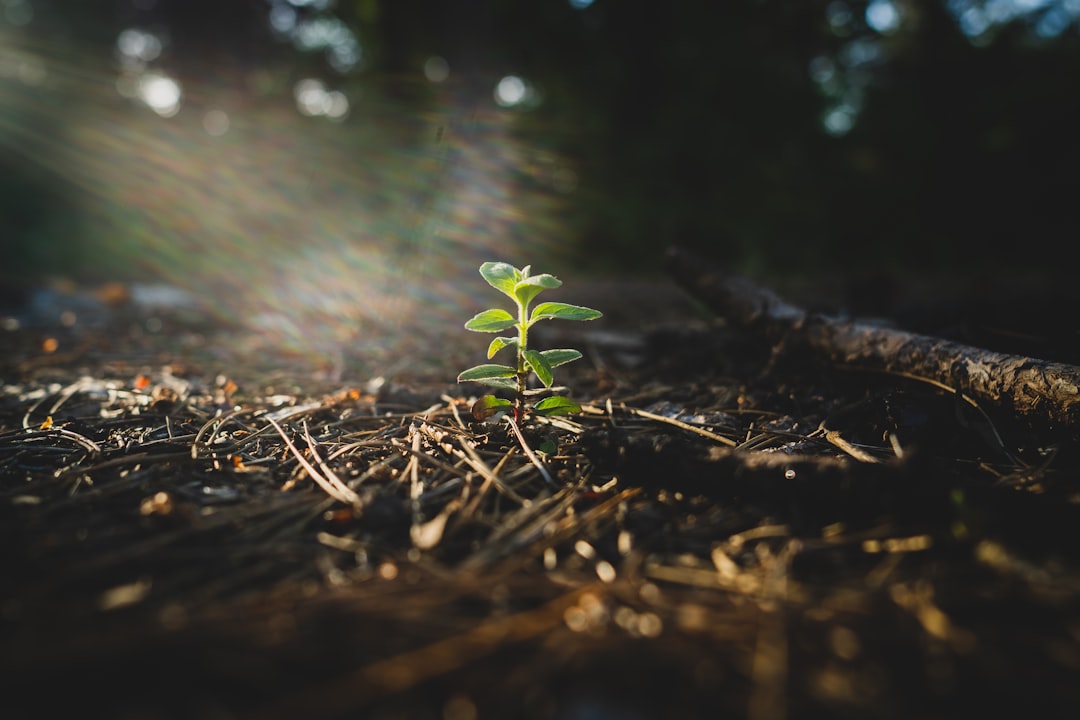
<point x="787" y="139"/>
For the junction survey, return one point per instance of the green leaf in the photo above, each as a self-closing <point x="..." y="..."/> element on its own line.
<point x="491" y="321"/>
<point x="501" y="276"/>
<point x="562" y="311"/>
<point x="489" y="405"/>
<point x="499" y="343"/>
<point x="529" y="287"/>
<point x="540" y="366"/>
<point x="500" y="382"/>
<point x="556" y="405"/>
<point x="555" y="358"/>
<point x="549" y="282"/>
<point x="482" y="373"/>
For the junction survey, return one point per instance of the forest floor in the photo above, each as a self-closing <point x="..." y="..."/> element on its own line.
<point x="193" y="525"/>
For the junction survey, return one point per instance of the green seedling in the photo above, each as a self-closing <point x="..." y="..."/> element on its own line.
<point x="522" y="287"/>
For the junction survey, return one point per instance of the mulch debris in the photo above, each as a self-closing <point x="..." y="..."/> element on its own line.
<point x="191" y="526"/>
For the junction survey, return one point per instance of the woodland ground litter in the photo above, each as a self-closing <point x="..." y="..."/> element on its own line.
<point x="730" y="532"/>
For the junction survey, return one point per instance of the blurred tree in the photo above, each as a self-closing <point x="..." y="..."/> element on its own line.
<point x="777" y="136"/>
<point x="704" y="124"/>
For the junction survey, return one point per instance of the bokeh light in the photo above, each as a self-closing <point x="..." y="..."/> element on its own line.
<point x="314" y="99"/>
<point x="17" y="12"/>
<point x="1047" y="19"/>
<point x="839" y="120"/>
<point x="845" y="76"/>
<point x="343" y="238"/>
<point x="510" y="91"/>
<point x="138" y="45"/>
<point x="160" y="93"/>
<point x="883" y="16"/>
<point x="216" y="122"/>
<point x="513" y="91"/>
<point x="311" y="26"/>
<point x="436" y="69"/>
<point x="839" y="16"/>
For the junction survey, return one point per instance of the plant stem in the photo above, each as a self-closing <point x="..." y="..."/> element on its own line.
<point x="522" y="374"/>
<point x="529" y="453"/>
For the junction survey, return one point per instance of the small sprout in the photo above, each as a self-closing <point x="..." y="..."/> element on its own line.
<point x="522" y="287"/>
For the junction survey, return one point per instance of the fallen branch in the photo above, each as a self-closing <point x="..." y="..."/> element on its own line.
<point x="1044" y="393"/>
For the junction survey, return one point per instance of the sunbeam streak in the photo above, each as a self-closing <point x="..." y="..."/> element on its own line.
<point x="322" y="232"/>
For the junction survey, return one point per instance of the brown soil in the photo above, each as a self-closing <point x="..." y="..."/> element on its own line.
<point x="195" y="526"/>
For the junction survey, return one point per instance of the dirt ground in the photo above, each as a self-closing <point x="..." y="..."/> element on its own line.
<point x="194" y="525"/>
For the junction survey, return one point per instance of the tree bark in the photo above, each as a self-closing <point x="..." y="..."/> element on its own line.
<point x="1045" y="394"/>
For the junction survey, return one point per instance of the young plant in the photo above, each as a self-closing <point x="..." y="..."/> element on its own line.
<point x="522" y="287"/>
